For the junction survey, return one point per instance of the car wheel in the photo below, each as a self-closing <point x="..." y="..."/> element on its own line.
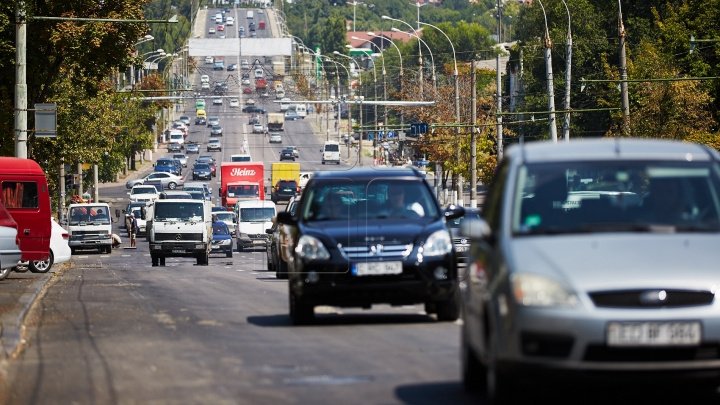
<point x="4" y="273"/>
<point x="301" y="313"/>
<point x="499" y="389"/>
<point x="282" y="270"/>
<point x="472" y="370"/>
<point x="228" y="253"/>
<point x="172" y="185"/>
<point x="449" y="310"/>
<point x="154" y="260"/>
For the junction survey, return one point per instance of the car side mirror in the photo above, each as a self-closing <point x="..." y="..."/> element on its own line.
<point x="453" y="212"/>
<point x="286" y="218"/>
<point x="269" y="231"/>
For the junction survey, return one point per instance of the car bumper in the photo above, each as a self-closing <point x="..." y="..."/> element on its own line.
<point x="328" y="283"/>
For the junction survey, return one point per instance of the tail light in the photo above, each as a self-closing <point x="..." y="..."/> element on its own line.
<point x="66" y="236"/>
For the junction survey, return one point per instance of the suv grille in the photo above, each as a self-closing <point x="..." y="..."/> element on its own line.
<point x="377" y="251"/>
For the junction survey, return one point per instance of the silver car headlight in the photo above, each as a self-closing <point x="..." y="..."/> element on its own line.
<point x="438" y="243"/>
<point x="536" y="290"/>
<point x="311" y="248"/>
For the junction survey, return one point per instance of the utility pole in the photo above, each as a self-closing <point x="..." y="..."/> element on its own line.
<point x="623" y="74"/>
<point x="568" y="77"/>
<point x="498" y="86"/>
<point x="549" y="73"/>
<point x="21" y="96"/>
<point x="473" y="139"/>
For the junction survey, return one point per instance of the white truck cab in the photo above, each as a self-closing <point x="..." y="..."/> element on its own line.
<point x="180" y="228"/>
<point x="90" y="227"/>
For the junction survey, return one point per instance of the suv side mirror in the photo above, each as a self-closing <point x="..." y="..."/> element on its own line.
<point x="286" y="218"/>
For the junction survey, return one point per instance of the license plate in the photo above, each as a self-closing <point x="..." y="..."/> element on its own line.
<point x="376" y="268"/>
<point x="654" y="333"/>
<point x="178" y="250"/>
<point x="461" y="248"/>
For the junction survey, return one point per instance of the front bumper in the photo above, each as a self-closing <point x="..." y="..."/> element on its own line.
<point x="252" y="240"/>
<point x="178" y="249"/>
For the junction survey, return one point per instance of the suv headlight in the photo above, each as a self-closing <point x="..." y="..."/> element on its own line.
<point x="541" y="291"/>
<point x="438" y="243"/>
<point x="311" y="248"/>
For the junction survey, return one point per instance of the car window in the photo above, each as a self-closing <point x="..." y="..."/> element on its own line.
<point x="615" y="196"/>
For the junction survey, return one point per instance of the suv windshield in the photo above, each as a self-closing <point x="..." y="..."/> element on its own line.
<point x="633" y="196"/>
<point x="372" y="199"/>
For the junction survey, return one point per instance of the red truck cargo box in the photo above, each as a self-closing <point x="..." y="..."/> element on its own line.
<point x="240" y="173"/>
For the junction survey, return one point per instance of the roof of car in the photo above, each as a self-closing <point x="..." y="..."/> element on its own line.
<point x="609" y="149"/>
<point x="370" y="173"/>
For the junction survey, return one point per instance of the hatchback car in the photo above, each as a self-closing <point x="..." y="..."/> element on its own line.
<point x="222" y="214"/>
<point x="214" y="145"/>
<point x="222" y="240"/>
<point x="213" y="121"/>
<point x="370" y="236"/>
<point x="284" y="190"/>
<point x="258" y="128"/>
<point x="174" y="147"/>
<point x="201" y="171"/>
<point x="216" y="130"/>
<point x="594" y="258"/>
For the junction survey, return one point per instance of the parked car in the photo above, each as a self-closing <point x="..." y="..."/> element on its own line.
<point x="222" y="240"/>
<point x="216" y="130"/>
<point x="287" y="154"/>
<point x="201" y="171"/>
<point x="59" y="250"/>
<point x="192" y="148"/>
<point x="10" y="253"/>
<point x="214" y="144"/>
<point x="167" y="180"/>
<point x="275" y="137"/>
<point x="594" y="258"/>
<point x="362" y="237"/>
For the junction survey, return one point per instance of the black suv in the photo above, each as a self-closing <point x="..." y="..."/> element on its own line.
<point x="370" y="236"/>
<point x="284" y="190"/>
<point x="288" y="154"/>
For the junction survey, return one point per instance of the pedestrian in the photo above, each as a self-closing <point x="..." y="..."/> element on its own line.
<point x="116" y="241"/>
<point x="133" y="230"/>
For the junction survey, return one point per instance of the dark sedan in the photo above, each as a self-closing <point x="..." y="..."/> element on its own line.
<point x="222" y="240"/>
<point x="253" y="109"/>
<point x="287" y="154"/>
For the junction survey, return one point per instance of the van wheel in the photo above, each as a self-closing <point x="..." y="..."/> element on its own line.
<point x="42" y="266"/>
<point x="228" y="253"/>
<point x="448" y="310"/>
<point x="154" y="260"/>
<point x="172" y="185"/>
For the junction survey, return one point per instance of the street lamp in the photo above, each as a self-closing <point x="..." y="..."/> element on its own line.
<point x="372" y="34"/>
<point x="146" y="38"/>
<point x="549" y="73"/>
<point x="354" y="4"/>
<point x="375" y="107"/>
<point x="420" y="60"/>
<point x="357" y="100"/>
<point x="432" y="58"/>
<point x="382" y="58"/>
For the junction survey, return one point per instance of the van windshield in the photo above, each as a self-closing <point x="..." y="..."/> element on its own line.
<point x="257" y="214"/>
<point x="89" y="215"/>
<point x="178" y="211"/>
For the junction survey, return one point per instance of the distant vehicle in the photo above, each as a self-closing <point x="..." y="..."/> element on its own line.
<point x="241" y="157"/>
<point x="214" y="144"/>
<point x="258" y="128"/>
<point x="206" y="78"/>
<point x="287" y="154"/>
<point x="221" y="27"/>
<point x="275" y="137"/>
<point x="230" y="21"/>
<point x="231" y="67"/>
<point x="219" y="65"/>
<point x="247" y="90"/>
<point x="284" y="190"/>
<point x="201" y="171"/>
<point x="208" y="60"/>
<point x="291" y="115"/>
<point x="192" y="148"/>
<point x="331" y="152"/>
<point x="253" y="109"/>
<point x="167" y="180"/>
<point x="245" y="81"/>
<point x="141" y="192"/>
<point x="234" y="103"/>
<point x="174" y="147"/>
<point x="296" y="151"/>
<point x="200" y="120"/>
<point x="216" y="130"/>
<point x="222" y="240"/>
<point x="217" y="101"/>
<point x="184" y="119"/>
<point x="211" y="30"/>
<point x="213" y="120"/>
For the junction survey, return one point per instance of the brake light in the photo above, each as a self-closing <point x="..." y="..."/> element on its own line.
<point x="66" y="236"/>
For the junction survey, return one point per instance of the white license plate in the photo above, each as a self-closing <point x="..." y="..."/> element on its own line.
<point x="376" y="268"/>
<point x="178" y="250"/>
<point x="654" y="333"/>
<point x="461" y="248"/>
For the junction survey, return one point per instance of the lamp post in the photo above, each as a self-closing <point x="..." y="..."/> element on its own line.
<point x="354" y="4"/>
<point x="568" y="76"/>
<point x="324" y="75"/>
<point x="375" y="107"/>
<point x="432" y="58"/>
<point x="547" y="42"/>
<point x="153" y="54"/>
<point x="146" y="38"/>
<point x="150" y="60"/>
<point x="300" y="44"/>
<point x="338" y="96"/>
<point x="382" y="58"/>
<point x="344" y="101"/>
<point x="402" y="122"/>
<point x="420" y="59"/>
<point x="357" y="100"/>
<point x="473" y="157"/>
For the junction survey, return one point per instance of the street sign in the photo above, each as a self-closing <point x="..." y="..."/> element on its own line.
<point x="418" y="128"/>
<point x="46" y="120"/>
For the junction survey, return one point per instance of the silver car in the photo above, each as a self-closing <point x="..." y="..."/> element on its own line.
<point x="165" y="180"/>
<point x="595" y="257"/>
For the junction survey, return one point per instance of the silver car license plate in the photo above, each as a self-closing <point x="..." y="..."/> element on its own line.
<point x="654" y="333"/>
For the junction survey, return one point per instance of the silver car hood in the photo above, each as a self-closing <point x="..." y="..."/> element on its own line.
<point x="613" y="261"/>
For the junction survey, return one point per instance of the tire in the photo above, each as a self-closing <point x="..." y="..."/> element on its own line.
<point x="281" y="272"/>
<point x="498" y="383"/>
<point x="154" y="260"/>
<point x="300" y="312"/>
<point x="72" y="251"/>
<point x="228" y="253"/>
<point x="42" y="266"/>
<point x="5" y="272"/>
<point x="449" y="310"/>
<point x="471" y="369"/>
<point x="172" y="185"/>
<point x="162" y="261"/>
<point x="323" y="162"/>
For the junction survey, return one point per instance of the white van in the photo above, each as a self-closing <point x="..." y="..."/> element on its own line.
<point x="250" y="15"/>
<point x="204" y="79"/>
<point x="177" y="136"/>
<point x="259" y="73"/>
<point x="230" y="21"/>
<point x="331" y="152"/>
<point x="301" y="110"/>
<point x="254" y="217"/>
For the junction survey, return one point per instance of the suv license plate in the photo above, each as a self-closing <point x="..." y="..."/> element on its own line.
<point x="376" y="268"/>
<point x="178" y="250"/>
<point x="654" y="333"/>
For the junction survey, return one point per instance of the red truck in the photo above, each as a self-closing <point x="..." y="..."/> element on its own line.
<point x="261" y="25"/>
<point x="241" y="181"/>
<point x="261" y="85"/>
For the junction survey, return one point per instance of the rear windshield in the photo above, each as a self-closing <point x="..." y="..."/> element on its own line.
<point x="332" y="148"/>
